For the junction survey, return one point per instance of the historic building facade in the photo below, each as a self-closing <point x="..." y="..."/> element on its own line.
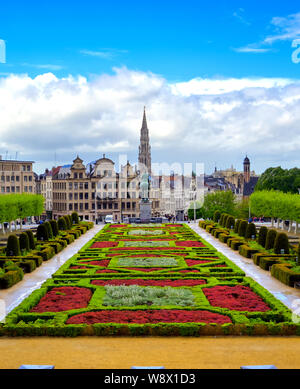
<point x="17" y="176"/>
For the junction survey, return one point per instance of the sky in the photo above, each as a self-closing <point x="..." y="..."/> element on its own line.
<point x="219" y="80"/>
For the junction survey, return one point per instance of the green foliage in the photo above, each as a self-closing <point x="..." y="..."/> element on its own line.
<point x="281" y="243"/>
<point x="199" y="211"/>
<point x="49" y="229"/>
<point x="31" y="239"/>
<point x="24" y="241"/>
<point x="236" y="226"/>
<point x="217" y="216"/>
<point x="270" y="240"/>
<point x="42" y="232"/>
<point x="13" y="246"/>
<point x="62" y="224"/>
<point x="242" y="208"/>
<point x="230" y="222"/>
<point x="242" y="228"/>
<point x="68" y="222"/>
<point x="276" y="204"/>
<point x="284" y="180"/>
<point x="20" y="206"/>
<point x="133" y="295"/>
<point x="75" y="218"/>
<point x="250" y="231"/>
<point x="262" y="236"/>
<point x="222" y="201"/>
<point x="54" y="227"/>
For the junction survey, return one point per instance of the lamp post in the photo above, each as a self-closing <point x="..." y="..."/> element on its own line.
<point x="96" y="206"/>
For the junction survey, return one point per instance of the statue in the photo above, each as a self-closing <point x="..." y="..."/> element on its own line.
<point x="144" y="186"/>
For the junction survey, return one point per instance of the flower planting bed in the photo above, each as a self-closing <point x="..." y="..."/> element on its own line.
<point x="120" y="284"/>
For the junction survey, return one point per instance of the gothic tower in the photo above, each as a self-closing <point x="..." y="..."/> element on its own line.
<point x="246" y="169"/>
<point x="144" y="148"/>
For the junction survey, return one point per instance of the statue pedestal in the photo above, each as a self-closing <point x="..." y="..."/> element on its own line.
<point x="145" y="211"/>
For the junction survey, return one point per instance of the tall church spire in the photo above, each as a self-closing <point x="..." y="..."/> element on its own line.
<point x="144" y="148"/>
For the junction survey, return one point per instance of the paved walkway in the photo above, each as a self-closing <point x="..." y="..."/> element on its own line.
<point x="286" y="294"/>
<point x="10" y="298"/>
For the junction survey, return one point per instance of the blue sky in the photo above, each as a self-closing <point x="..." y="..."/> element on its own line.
<point x="217" y="78"/>
<point x="179" y="40"/>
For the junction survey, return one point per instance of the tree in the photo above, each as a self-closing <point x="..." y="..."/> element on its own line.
<point x="250" y="231"/>
<point x="62" y="225"/>
<point x="49" y="229"/>
<point x="24" y="241"/>
<point x="270" y="240"/>
<point x="262" y="236"/>
<point x="222" y="201"/>
<point x="242" y="208"/>
<point x="54" y="227"/>
<point x="243" y="228"/>
<point x="13" y="246"/>
<point x="217" y="216"/>
<point x="281" y="243"/>
<point x="42" y="232"/>
<point x="230" y="222"/>
<point x="283" y="180"/>
<point x="75" y="218"/>
<point x="31" y="239"/>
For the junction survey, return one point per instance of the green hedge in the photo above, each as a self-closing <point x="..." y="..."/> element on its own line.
<point x="247" y="251"/>
<point x="285" y="274"/>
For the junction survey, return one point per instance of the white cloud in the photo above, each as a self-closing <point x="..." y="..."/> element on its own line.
<point x="103" y="53"/>
<point x="249" y="49"/>
<point x="202" y="120"/>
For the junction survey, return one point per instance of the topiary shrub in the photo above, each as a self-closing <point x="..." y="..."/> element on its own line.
<point x="42" y="232"/>
<point x="54" y="227"/>
<point x="70" y="220"/>
<point x="68" y="223"/>
<point x="75" y="218"/>
<point x="236" y="226"/>
<point x="229" y="222"/>
<point x="13" y="246"/>
<point x="281" y="243"/>
<point x="225" y="219"/>
<point x="270" y="239"/>
<point x="250" y="231"/>
<point x="31" y="239"/>
<point x="49" y="229"/>
<point x="262" y="236"/>
<point x="221" y="221"/>
<point x="24" y="241"/>
<point x="62" y="224"/>
<point x="242" y="228"/>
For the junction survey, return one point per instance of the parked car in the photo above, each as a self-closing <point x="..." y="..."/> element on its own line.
<point x="108" y="219"/>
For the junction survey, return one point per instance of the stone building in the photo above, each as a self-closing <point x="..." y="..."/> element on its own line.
<point x="17" y="176"/>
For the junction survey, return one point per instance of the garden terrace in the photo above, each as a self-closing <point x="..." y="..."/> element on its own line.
<point x="182" y="287"/>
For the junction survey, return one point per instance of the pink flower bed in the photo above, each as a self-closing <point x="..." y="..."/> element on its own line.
<point x="238" y="298"/>
<point x="107" y="271"/>
<point x="192" y="262"/>
<point x="101" y="245"/>
<point x="141" y="282"/>
<point x="63" y="298"/>
<point x="189" y="243"/>
<point x="148" y="316"/>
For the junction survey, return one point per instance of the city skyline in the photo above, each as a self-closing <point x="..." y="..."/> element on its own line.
<point x="223" y="80"/>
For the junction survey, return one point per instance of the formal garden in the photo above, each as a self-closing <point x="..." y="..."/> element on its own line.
<point x="26" y="250"/>
<point x="157" y="280"/>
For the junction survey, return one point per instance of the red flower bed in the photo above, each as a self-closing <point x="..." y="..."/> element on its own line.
<point x="101" y="245"/>
<point x="107" y="271"/>
<point x="78" y="267"/>
<point x="192" y="262"/>
<point x="117" y="225"/>
<point x="149" y="316"/>
<point x="220" y="266"/>
<point x="103" y="262"/>
<point x="188" y="271"/>
<point x="63" y="298"/>
<point x="147" y="248"/>
<point x="173" y="225"/>
<point x="238" y="298"/>
<point x="190" y="243"/>
<point x="141" y="282"/>
<point x="145" y="255"/>
<point x="146" y="239"/>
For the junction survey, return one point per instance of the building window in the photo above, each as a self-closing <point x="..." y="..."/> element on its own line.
<point x="13" y="189"/>
<point x="81" y="185"/>
<point x="8" y="189"/>
<point x="3" y="189"/>
<point x="93" y="185"/>
<point x="80" y="175"/>
<point x="17" y="189"/>
<point x="12" y="178"/>
<point x="70" y="185"/>
<point x="80" y="196"/>
<point x="80" y="206"/>
<point x="7" y="178"/>
<point x="76" y="207"/>
<point x="110" y="205"/>
<point x="93" y="205"/>
<point x="86" y="196"/>
<point x="86" y="185"/>
<point x="70" y="196"/>
<point x="116" y="205"/>
<point x="128" y="205"/>
<point x="30" y="178"/>
<point x="75" y="175"/>
<point x="123" y="195"/>
<point x="28" y="168"/>
<point x="70" y="207"/>
<point x="30" y="188"/>
<point x="86" y="206"/>
<point x="2" y="178"/>
<point x="25" y="178"/>
<point x="75" y="186"/>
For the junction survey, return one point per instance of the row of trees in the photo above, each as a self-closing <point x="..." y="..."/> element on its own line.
<point x="223" y="201"/>
<point x="276" y="178"/>
<point x="276" y="204"/>
<point x="15" y="207"/>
